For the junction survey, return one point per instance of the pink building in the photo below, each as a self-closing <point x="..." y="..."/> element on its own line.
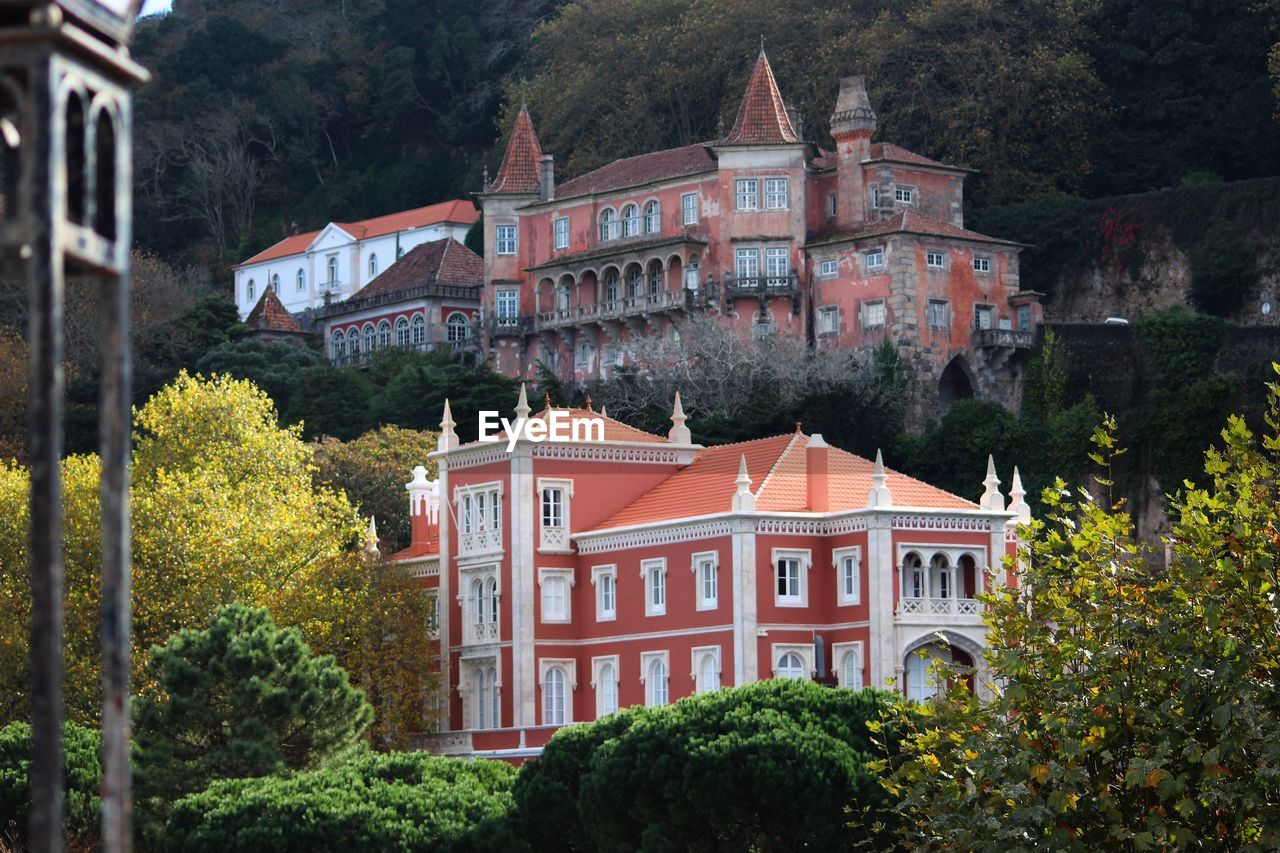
<point x="844" y="248"/>
<point x="576" y="577"/>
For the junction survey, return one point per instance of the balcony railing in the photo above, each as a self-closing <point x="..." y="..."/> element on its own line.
<point x="478" y="633"/>
<point x="1004" y="338"/>
<point x="511" y="326"/>
<point x="366" y="357"/>
<point x="479" y="542"/>
<point x="939" y="606"/>
<point x="762" y="285"/>
<point x="612" y="309"/>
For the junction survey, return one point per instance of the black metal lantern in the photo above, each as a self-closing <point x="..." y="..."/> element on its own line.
<point x="66" y="178"/>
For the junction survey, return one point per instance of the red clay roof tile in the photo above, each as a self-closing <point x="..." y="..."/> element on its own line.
<point x="270" y="315"/>
<point x="439" y="262"/>
<point x="641" y="169"/>
<point x="522" y="160"/>
<point x="907" y="222"/>
<point x="762" y="118"/>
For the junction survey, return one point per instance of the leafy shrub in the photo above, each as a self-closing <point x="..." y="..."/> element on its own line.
<point x="1224" y="268"/>
<point x="399" y="801"/>
<point x="779" y="764"/>
<point x="81" y="773"/>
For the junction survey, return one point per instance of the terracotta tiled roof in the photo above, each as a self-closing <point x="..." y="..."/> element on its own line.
<point x="907" y="222"/>
<point x="641" y="169"/>
<point x="897" y="154"/>
<point x="522" y="161"/>
<point x="613" y="430"/>
<point x="428" y="548"/>
<point x="439" y="262"/>
<point x="778" y="469"/>
<point x="621" y="247"/>
<point x="463" y="212"/>
<point x="270" y="315"/>
<point x="762" y="118"/>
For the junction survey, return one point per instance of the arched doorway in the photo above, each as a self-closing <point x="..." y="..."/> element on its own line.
<point x="920" y="679"/>
<point x="954" y="384"/>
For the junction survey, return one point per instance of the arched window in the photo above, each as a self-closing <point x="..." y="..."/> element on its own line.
<point x="402" y="331"/>
<point x="479" y="610"/>
<point x="495" y="712"/>
<point x="456" y="328"/>
<point x="611" y="286"/>
<point x="373" y="265"/>
<point x="563" y="294"/>
<point x="608" y="224"/>
<point x="608" y="686"/>
<point x="652" y="217"/>
<point x="333" y="272"/>
<point x="630" y="221"/>
<point x="339" y="345"/>
<point x="790" y="666"/>
<point x="384" y="334"/>
<point x="708" y="674"/>
<point x="914" y="578"/>
<point x="353" y="341"/>
<point x="302" y="280"/>
<point x="491" y="599"/>
<point x="941" y="577"/>
<point x="655" y="685"/>
<point x="635" y="281"/>
<point x="553" y="697"/>
<point x="851" y="670"/>
<point x="419" y="329"/>
<point x="275" y="282"/>
<point x="370" y="338"/>
<point x="250" y="290"/>
<point x="920" y="681"/>
<point x="655" y="278"/>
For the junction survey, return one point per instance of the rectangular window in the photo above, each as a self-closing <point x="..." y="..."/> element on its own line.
<point x="746" y="264"/>
<point x="504" y="239"/>
<point x="982" y="316"/>
<point x="747" y="192"/>
<point x="905" y="195"/>
<point x="829" y="269"/>
<point x="508" y="305"/>
<point x="1024" y="318"/>
<point x="777" y="266"/>
<point x="788" y="575"/>
<point x="605" y="579"/>
<point x="553" y="507"/>
<point x="935" y="260"/>
<point x="828" y="320"/>
<point x="654" y="573"/>
<point x="873" y="314"/>
<point x="706" y="580"/>
<point x="847" y="562"/>
<point x="689" y="208"/>
<point x="875" y="196"/>
<point x="553" y="599"/>
<point x="467" y="517"/>
<point x="874" y="260"/>
<point x="981" y="263"/>
<point x="939" y="314"/>
<point x="831" y="205"/>
<point x="776" y="195"/>
<point x="562" y="232"/>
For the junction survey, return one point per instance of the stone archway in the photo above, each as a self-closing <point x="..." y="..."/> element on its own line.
<point x="955" y="383"/>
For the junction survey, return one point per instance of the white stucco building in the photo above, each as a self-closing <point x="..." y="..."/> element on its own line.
<point x="319" y="267"/>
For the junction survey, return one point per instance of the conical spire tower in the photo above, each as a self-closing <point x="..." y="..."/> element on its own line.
<point x="522" y="163"/>
<point x="762" y="118"/>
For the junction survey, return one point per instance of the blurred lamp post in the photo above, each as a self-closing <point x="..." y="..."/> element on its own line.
<point x="66" y="178"/>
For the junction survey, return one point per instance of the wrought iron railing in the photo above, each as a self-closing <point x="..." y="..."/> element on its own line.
<point x="762" y="285"/>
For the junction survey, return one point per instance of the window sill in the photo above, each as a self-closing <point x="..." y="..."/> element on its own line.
<point x="790" y="602"/>
<point x="707" y="606"/>
<point x="612" y="617"/>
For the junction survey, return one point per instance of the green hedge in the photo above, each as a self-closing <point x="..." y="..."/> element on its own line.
<point x="400" y="801"/>
<point x="82" y="775"/>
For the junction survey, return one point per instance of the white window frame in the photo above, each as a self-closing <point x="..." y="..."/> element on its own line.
<point x="832" y="208"/>
<point x="647" y="659"/>
<point x="610" y="227"/>
<point x="829" y="268"/>
<point x="882" y="308"/>
<point x="940" y="307"/>
<point x="904" y="195"/>
<point x="689" y="208"/>
<point x="302" y="280"/>
<point x="746" y="194"/>
<point x="697" y="657"/>
<point x="554" y="539"/>
<point x="651" y="216"/>
<point x="570" y="668"/>
<point x="801" y="650"/>
<point x="506" y="239"/>
<point x="650" y="571"/>
<point x="598" y="683"/>
<point x="508" y="297"/>
<point x="598" y="575"/>
<point x="777" y="264"/>
<point x="873" y="260"/>
<point x="982" y="264"/>
<point x="631" y="225"/>
<point x="561" y="229"/>
<point x="547" y="579"/>
<point x="746" y="263"/>
<point x="828" y="320"/>
<point x="845" y="596"/>
<point x="935" y="259"/>
<point x="777" y="194"/>
<point x="373" y="265"/>
<point x="927" y="551"/>
<point x="838" y="652"/>
<point x="804" y="558"/>
<point x="480" y="534"/>
<point x="696" y="565"/>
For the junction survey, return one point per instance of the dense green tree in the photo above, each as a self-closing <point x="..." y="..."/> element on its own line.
<point x="277" y="367"/>
<point x="706" y="774"/>
<point x="407" y="801"/>
<point x="338" y="402"/>
<point x="81" y="776"/>
<point x="1135" y="706"/>
<point x="414" y="394"/>
<point x="240" y="698"/>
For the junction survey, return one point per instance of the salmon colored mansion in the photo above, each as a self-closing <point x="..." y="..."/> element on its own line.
<point x="845" y="248"/>
<point x="576" y="577"/>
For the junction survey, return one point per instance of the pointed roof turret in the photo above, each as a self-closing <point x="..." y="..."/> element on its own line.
<point x="448" y="438"/>
<point x="991" y="497"/>
<point x="679" y="433"/>
<point x="853" y="113"/>
<point x="522" y="404"/>
<point x="743" y="499"/>
<point x="879" y="494"/>
<point x="762" y="118"/>
<point x="371" y="540"/>
<point x="522" y="164"/>
<point x="270" y="315"/>
<point x="1018" y="499"/>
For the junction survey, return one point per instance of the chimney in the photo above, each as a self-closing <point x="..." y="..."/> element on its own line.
<point x="546" y="178"/>
<point x="424" y="510"/>
<point x="817" y="456"/>
<point x="853" y="123"/>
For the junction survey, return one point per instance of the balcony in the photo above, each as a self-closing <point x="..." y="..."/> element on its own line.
<point x="511" y="326"/>
<point x="479" y="633"/>
<point x="479" y="543"/>
<point x="924" y="611"/>
<point x="1004" y="338"/>
<point x="761" y="286"/>
<point x="639" y="305"/>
